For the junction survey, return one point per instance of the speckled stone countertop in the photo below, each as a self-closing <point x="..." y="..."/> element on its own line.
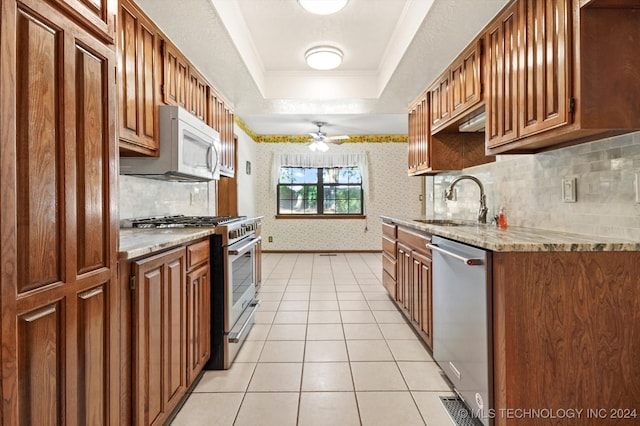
<point x="140" y="242"/>
<point x="515" y="238"/>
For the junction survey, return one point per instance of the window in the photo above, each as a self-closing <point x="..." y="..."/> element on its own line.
<point x="320" y="191"/>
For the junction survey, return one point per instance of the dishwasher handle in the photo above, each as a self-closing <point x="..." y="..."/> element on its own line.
<point x="465" y="260"/>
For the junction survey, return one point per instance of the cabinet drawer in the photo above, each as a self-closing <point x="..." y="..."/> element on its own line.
<point x="389" y="246"/>
<point x="389" y="230"/>
<point x="389" y="284"/>
<point x="414" y="239"/>
<point x="197" y="253"/>
<point x="389" y="265"/>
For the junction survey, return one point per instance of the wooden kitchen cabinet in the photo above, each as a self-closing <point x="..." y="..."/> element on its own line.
<point x="419" y="135"/>
<point x="574" y="316"/>
<point x="575" y="69"/>
<point x="407" y="276"/>
<point x="138" y="76"/>
<point x="175" y="75"/>
<point x="221" y="118"/>
<point x="197" y="94"/>
<point x="159" y="314"/>
<point x="97" y="16"/>
<point x="544" y="71"/>
<point x="60" y="351"/>
<point x="198" y="309"/>
<point x="440" y="100"/>
<point x="435" y="143"/>
<point x="466" y="79"/>
<point x="389" y="258"/>
<point x="502" y="79"/>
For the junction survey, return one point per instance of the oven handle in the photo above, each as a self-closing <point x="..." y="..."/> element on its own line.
<point x="234" y="251"/>
<point x="235" y="337"/>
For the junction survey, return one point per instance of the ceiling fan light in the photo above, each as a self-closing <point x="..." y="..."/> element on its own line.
<point x="313" y="146"/>
<point x="323" y="57"/>
<point x="323" y="7"/>
<point x="322" y="147"/>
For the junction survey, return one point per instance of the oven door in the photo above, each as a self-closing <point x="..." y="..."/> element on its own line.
<point x="241" y="288"/>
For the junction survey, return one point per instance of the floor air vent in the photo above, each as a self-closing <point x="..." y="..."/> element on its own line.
<point x="458" y="411"/>
<point x="328" y="254"/>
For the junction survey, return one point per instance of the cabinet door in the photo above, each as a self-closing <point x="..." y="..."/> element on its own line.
<point x="419" y="135"/>
<point x="98" y="16"/>
<point x="422" y="315"/>
<point x="58" y="282"/>
<point x="544" y="62"/>
<point x="403" y="292"/>
<point x="137" y="50"/>
<point x="158" y="321"/>
<point x="198" y="321"/>
<point x="440" y="101"/>
<point x="466" y="79"/>
<point x="175" y="75"/>
<point x="502" y="79"/>
<point x="198" y="93"/>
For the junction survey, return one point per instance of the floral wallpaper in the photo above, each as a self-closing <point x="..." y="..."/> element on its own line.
<point x="392" y="192"/>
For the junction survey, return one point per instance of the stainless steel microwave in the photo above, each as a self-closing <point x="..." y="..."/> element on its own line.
<point x="189" y="150"/>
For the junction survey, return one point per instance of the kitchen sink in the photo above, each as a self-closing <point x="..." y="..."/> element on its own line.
<point x="445" y="222"/>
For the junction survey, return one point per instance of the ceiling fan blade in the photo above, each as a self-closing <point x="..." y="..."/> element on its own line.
<point x="341" y="137"/>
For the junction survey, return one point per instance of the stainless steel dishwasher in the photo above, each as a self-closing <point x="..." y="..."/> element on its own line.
<point x="462" y="320"/>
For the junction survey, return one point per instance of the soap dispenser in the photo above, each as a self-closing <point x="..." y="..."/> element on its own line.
<point x="502" y="218"/>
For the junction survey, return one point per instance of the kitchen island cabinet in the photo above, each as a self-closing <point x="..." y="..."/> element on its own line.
<point x="58" y="226"/>
<point x="564" y="320"/>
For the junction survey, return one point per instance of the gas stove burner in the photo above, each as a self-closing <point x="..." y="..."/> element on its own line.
<point x="179" y="221"/>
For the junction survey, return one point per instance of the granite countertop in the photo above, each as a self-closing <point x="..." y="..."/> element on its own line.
<point x="140" y="242"/>
<point x="516" y="238"/>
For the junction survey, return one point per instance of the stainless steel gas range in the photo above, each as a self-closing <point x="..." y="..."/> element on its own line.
<point x="233" y="277"/>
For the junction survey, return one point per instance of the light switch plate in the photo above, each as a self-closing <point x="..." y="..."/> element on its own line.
<point x="569" y="190"/>
<point x="637" y="185"/>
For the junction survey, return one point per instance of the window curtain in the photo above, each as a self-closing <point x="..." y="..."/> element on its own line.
<point x="322" y="160"/>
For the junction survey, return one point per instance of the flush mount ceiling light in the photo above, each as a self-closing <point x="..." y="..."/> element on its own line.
<point x="323" y="57"/>
<point x="323" y="7"/>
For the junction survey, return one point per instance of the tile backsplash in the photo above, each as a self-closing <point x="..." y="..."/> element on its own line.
<point x="141" y="197"/>
<point x="530" y="189"/>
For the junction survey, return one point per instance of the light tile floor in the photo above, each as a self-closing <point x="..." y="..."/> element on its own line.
<point x="328" y="348"/>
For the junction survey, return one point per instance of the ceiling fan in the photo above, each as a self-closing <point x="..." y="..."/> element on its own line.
<point x="320" y="138"/>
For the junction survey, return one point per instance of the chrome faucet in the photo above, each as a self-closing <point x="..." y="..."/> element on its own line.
<point x="482" y="212"/>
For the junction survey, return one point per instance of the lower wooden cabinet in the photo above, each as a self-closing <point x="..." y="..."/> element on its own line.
<point x="407" y="276"/>
<point x="165" y="338"/>
<point x="158" y="322"/>
<point x="198" y="312"/>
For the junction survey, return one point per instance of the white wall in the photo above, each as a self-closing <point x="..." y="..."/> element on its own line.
<point x="530" y="188"/>
<point x="246" y="183"/>
<point x="391" y="192"/>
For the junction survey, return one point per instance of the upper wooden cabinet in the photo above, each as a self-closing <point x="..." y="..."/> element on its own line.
<point x="197" y="94"/>
<point x="501" y="79"/>
<point x="221" y="118"/>
<point x="419" y="135"/>
<point x="576" y="73"/>
<point x="97" y="16"/>
<point x="459" y="88"/>
<point x="60" y="348"/>
<point x="138" y="45"/>
<point x="175" y="75"/>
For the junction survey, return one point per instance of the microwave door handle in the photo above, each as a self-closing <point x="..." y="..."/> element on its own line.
<point x="212" y="158"/>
